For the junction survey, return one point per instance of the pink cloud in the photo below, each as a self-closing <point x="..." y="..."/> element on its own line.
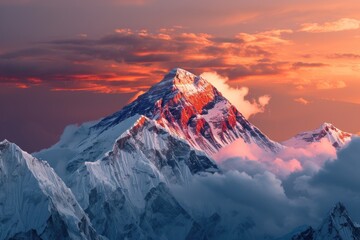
<point x="310" y="157"/>
<point x="302" y="101"/>
<point x="292" y="165"/>
<point x="335" y="26"/>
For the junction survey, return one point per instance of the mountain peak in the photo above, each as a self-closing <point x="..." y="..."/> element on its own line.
<point x="326" y="124"/>
<point x="178" y="74"/>
<point x="179" y="80"/>
<point x="6" y="145"/>
<point x="5" y="142"/>
<point x="337" y="225"/>
<point x="178" y="70"/>
<point x="327" y="131"/>
<point x="32" y="188"/>
<point x="328" y="127"/>
<point x="191" y="108"/>
<point x="339" y="209"/>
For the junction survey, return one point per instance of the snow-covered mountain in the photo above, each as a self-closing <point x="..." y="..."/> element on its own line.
<point x="113" y="178"/>
<point x="326" y="131"/>
<point x="143" y="157"/>
<point x="35" y="203"/>
<point x="337" y="225"/>
<point x="193" y="109"/>
<point x="163" y="137"/>
<point x="185" y="105"/>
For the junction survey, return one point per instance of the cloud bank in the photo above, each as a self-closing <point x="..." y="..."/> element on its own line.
<point x="310" y="181"/>
<point x="128" y="61"/>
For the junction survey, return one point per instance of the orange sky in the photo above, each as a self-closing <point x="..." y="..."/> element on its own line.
<point x="305" y="55"/>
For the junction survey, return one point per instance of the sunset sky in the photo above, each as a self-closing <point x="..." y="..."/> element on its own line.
<point x="297" y="63"/>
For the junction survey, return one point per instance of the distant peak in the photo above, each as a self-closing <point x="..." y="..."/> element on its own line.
<point x="337" y="137"/>
<point x="331" y="129"/>
<point x="339" y="209"/>
<point x="326" y="124"/>
<point x="5" y="144"/>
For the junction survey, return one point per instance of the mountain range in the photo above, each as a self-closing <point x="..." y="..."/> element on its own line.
<point x="112" y="178"/>
<point x="336" y="225"/>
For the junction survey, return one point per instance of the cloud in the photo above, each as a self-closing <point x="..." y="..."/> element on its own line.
<point x="133" y="98"/>
<point x="250" y="193"/>
<point x="130" y="60"/>
<point x="337" y="180"/>
<point x="127" y="55"/>
<point x="267" y="38"/>
<point x="237" y="95"/>
<point x="302" y="101"/>
<point x="249" y="157"/>
<point x="342" y="173"/>
<point x="345" y="55"/>
<point x="238" y="199"/>
<point x="330" y="84"/>
<point x="308" y="65"/>
<point x="336" y="26"/>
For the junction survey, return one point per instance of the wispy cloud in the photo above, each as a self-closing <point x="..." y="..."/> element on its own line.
<point x="302" y="101"/>
<point x="330" y="84"/>
<point x="308" y="65"/>
<point x="237" y="96"/>
<point x="345" y="55"/>
<point x="335" y="26"/>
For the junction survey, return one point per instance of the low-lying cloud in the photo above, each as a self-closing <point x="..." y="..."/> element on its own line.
<point x="275" y="203"/>
<point x="249" y="157"/>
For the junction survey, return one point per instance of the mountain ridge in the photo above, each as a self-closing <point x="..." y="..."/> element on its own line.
<point x="336" y="225"/>
<point x="29" y="188"/>
<point x="328" y="131"/>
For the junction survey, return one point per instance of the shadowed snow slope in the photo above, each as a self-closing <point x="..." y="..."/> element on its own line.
<point x="337" y="225"/>
<point x="34" y="201"/>
<point x="142" y="158"/>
